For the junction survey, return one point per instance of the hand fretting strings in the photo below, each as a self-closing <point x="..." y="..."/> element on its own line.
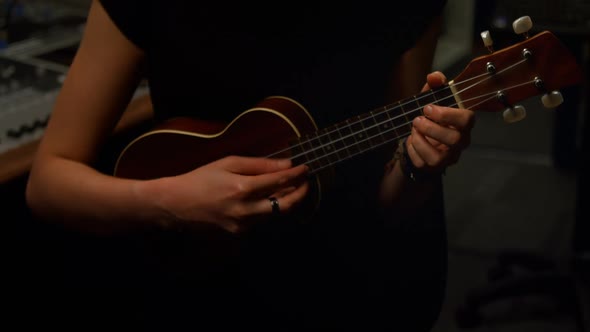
<point x="389" y="108"/>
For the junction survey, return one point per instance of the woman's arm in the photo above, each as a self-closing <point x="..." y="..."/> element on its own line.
<point x="63" y="186"/>
<point x="436" y="140"/>
<point x="100" y="82"/>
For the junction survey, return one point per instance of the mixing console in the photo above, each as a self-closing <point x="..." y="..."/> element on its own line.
<point x="27" y="94"/>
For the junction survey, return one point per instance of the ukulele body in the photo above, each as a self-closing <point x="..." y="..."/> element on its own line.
<point x="183" y="144"/>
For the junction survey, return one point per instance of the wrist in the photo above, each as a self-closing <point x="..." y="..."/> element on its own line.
<point x="150" y="198"/>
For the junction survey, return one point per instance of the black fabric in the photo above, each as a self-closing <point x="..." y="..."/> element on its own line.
<point x="347" y="268"/>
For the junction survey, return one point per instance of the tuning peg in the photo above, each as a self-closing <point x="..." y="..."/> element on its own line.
<point x="552" y="99"/>
<point x="487" y="40"/>
<point x="522" y="26"/>
<point x="514" y="114"/>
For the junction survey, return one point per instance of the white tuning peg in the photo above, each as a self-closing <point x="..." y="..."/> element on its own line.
<point x="514" y="114"/>
<point x="522" y="25"/>
<point x="487" y="40"/>
<point x="552" y="99"/>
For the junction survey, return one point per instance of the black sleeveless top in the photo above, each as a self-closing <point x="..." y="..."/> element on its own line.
<point x="349" y="267"/>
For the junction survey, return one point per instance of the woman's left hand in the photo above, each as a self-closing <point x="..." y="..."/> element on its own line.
<point x="439" y="137"/>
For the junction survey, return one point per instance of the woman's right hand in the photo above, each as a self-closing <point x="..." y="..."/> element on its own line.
<point x="232" y="192"/>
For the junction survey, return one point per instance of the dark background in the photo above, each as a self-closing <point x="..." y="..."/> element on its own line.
<point x="517" y="194"/>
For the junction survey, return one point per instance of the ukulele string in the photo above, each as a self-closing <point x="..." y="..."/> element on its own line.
<point x="386" y="109"/>
<point x="349" y="155"/>
<point x="494" y="94"/>
<point x="489" y="77"/>
<point x="357" y="143"/>
<point x="431" y="93"/>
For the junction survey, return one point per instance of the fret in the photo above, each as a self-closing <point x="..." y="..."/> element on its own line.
<point x="444" y="96"/>
<point x="338" y="142"/>
<point x="330" y="152"/>
<point x="360" y="135"/>
<point x="309" y="150"/>
<point x="372" y="129"/>
<point x="385" y="124"/>
<point x="426" y="98"/>
<point x="402" y="123"/>
<point x="434" y="97"/>
<point x="320" y="158"/>
<point x="348" y="138"/>
<point x="298" y="156"/>
<point x="413" y="108"/>
<point x="394" y="119"/>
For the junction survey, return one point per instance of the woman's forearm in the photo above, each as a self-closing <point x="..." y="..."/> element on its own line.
<point x="79" y="197"/>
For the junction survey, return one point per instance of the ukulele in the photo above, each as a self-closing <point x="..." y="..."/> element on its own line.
<point x="538" y="65"/>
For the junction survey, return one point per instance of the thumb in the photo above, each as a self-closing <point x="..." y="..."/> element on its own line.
<point x="436" y="79"/>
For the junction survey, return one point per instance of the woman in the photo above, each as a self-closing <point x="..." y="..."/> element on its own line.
<point x="374" y="253"/>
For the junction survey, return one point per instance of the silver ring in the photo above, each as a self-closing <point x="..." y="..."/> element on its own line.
<point x="274" y="203"/>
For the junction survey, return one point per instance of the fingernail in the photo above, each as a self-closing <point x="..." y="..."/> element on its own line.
<point x="428" y="110"/>
<point x="284" y="163"/>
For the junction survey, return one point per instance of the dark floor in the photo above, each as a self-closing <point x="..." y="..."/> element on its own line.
<point x="511" y="192"/>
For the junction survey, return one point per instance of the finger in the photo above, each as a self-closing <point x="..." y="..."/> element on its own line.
<point x="285" y="191"/>
<point x="448" y="116"/>
<point x="256" y="210"/>
<point x="429" y="155"/>
<point x="436" y="143"/>
<point x="425" y="87"/>
<point x="415" y="157"/>
<point x="433" y="131"/>
<point x="287" y="201"/>
<point x="253" y="165"/>
<point x="266" y="184"/>
<point x="433" y="80"/>
<point x="436" y="79"/>
<point x="293" y="199"/>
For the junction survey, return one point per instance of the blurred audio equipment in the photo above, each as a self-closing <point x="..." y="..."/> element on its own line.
<point x="27" y="94"/>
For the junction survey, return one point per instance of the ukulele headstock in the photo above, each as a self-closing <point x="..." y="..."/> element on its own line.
<point x="538" y="65"/>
